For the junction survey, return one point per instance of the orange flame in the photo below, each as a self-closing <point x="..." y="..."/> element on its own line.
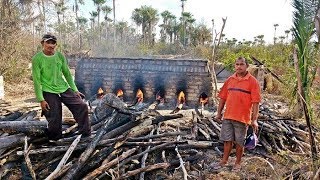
<point x="119" y="93"/>
<point x="100" y="91"/>
<point x="203" y="99"/>
<point x="181" y="98"/>
<point x="139" y="96"/>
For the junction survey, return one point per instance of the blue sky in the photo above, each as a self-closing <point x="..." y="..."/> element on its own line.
<point x="246" y="18"/>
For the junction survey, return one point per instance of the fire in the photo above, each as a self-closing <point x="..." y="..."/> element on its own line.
<point x="139" y="96"/>
<point x="203" y="99"/>
<point x="119" y="93"/>
<point x="181" y="98"/>
<point x="100" y="93"/>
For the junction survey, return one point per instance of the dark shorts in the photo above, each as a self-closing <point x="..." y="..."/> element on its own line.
<point x="232" y="130"/>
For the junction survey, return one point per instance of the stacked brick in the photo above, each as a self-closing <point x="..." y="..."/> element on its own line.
<point x="167" y="76"/>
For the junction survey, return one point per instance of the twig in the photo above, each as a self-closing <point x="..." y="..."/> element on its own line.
<point x="27" y="159"/>
<point x="185" y="173"/>
<point x="144" y="158"/>
<point x="65" y="158"/>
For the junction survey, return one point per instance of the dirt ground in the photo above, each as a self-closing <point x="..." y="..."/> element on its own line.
<point x="255" y="166"/>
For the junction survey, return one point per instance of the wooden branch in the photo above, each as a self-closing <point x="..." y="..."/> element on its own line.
<point x="28" y="127"/>
<point x="147" y="151"/>
<point x="12" y="141"/>
<point x="144" y="169"/>
<point x="27" y="159"/>
<point x="145" y="156"/>
<point x="51" y="149"/>
<point x="90" y="148"/>
<point x="73" y="127"/>
<point x="185" y="173"/>
<point x="11" y="117"/>
<point x="106" y="166"/>
<point x="156" y="136"/>
<point x="64" y="159"/>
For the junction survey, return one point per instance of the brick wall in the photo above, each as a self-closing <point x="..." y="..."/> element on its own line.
<point x="167" y="76"/>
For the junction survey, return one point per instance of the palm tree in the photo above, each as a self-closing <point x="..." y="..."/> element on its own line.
<point x="305" y="60"/>
<point x="147" y="17"/>
<point x="106" y="10"/>
<point x="121" y="27"/>
<point x="275" y="30"/>
<point x="82" y="23"/>
<point x="76" y="10"/>
<point x="93" y="14"/>
<point x="188" y="20"/>
<point x="99" y="3"/>
<point x="183" y="22"/>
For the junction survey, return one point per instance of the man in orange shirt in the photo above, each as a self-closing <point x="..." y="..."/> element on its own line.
<point x="241" y="96"/>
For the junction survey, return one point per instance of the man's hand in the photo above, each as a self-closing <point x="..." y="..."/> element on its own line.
<point x="44" y="105"/>
<point x="255" y="126"/>
<point x="219" y="117"/>
<point x="80" y="95"/>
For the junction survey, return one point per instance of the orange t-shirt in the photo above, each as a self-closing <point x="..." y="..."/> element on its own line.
<point x="240" y="93"/>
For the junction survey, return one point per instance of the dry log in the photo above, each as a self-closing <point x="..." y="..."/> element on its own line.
<point x="87" y="153"/>
<point x="11" y="141"/>
<point x="27" y="159"/>
<point x="145" y="156"/>
<point x="195" y="145"/>
<point x="156" y="136"/>
<point x="70" y="129"/>
<point x="216" y="128"/>
<point x="51" y="149"/>
<point x="185" y="173"/>
<point x="144" y="169"/>
<point x="11" y="117"/>
<point x="265" y="143"/>
<point x="64" y="159"/>
<point x="27" y="116"/>
<point x="27" y="127"/>
<point x="194" y="129"/>
<point x="106" y="166"/>
<point x="158" y="147"/>
<point x="97" y="159"/>
<point x="153" y="167"/>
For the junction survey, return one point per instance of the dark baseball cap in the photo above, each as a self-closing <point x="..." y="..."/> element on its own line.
<point x="48" y="37"/>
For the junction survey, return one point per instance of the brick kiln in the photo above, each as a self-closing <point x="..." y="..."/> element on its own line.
<point x="165" y="77"/>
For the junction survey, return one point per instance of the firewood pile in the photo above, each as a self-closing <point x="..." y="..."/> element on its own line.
<point x="129" y="142"/>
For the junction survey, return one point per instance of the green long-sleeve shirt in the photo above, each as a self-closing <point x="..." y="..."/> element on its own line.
<point x="51" y="74"/>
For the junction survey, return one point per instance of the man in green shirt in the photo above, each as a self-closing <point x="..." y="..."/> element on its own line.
<point x="54" y="85"/>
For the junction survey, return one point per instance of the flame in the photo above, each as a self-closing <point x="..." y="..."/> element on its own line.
<point x="139" y="95"/>
<point x="100" y="91"/>
<point x="119" y="93"/>
<point x="181" y="98"/>
<point x="203" y="99"/>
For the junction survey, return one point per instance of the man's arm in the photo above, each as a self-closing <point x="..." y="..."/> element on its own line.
<point x="222" y="102"/>
<point x="254" y="116"/>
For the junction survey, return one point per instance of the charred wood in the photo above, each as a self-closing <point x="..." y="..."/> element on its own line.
<point x="27" y="127"/>
<point x="11" y="117"/>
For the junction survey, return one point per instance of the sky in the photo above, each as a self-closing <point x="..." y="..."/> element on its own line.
<point x="246" y="19"/>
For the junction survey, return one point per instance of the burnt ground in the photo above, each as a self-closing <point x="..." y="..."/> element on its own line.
<point x="257" y="164"/>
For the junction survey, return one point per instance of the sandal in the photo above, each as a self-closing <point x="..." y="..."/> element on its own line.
<point x="236" y="168"/>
